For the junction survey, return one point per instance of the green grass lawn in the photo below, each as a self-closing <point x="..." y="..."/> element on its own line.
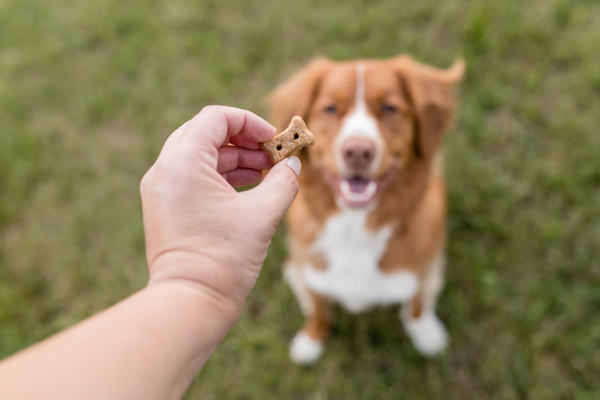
<point x="89" y="91"/>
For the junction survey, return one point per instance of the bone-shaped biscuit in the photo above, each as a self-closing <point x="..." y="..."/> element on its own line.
<point x="295" y="137"/>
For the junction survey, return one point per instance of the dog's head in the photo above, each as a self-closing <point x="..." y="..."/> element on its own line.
<point x="371" y="118"/>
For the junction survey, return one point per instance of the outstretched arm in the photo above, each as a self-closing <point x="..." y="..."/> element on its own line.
<point x="205" y="246"/>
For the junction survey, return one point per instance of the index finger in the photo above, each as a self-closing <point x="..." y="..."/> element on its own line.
<point x="211" y="126"/>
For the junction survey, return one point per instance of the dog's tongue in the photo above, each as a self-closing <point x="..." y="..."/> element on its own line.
<point x="358" y="185"/>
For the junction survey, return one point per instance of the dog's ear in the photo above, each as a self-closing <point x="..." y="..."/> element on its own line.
<point x="431" y="92"/>
<point x="294" y="96"/>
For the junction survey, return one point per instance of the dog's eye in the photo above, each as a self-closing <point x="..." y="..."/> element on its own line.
<point x="388" y="109"/>
<point x="332" y="109"/>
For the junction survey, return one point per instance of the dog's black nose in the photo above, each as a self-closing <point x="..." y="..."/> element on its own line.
<point x="358" y="153"/>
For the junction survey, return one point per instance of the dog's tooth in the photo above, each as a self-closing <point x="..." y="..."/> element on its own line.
<point x="371" y="188"/>
<point x="345" y="188"/>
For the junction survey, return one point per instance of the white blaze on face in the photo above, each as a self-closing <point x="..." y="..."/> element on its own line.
<point x="359" y="124"/>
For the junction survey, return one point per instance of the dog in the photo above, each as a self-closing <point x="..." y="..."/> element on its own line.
<point x="368" y="225"/>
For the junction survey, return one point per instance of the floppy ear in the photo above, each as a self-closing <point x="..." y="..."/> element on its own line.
<point x="431" y="92"/>
<point x="294" y="96"/>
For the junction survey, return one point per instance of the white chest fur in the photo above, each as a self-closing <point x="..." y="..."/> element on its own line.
<point x="353" y="253"/>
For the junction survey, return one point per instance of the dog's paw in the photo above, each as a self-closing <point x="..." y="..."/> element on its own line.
<point x="427" y="334"/>
<point x="305" y="350"/>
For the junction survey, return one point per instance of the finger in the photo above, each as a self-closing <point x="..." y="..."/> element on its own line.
<point x="242" y="177"/>
<point x="232" y="157"/>
<point x="278" y="189"/>
<point x="240" y="141"/>
<point x="209" y="128"/>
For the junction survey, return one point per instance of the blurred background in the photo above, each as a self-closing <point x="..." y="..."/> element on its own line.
<point x="90" y="90"/>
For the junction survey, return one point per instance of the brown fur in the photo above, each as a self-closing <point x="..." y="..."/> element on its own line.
<point x="317" y="325"/>
<point x="414" y="202"/>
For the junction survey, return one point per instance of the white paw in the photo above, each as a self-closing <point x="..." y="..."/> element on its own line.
<point x="305" y="350"/>
<point x="427" y="334"/>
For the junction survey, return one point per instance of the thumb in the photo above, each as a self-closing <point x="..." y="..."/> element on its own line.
<point x="279" y="188"/>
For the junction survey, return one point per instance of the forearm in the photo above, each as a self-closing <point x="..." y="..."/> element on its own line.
<point x="149" y="346"/>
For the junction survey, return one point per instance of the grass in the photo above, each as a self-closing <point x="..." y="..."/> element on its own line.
<point x="89" y="91"/>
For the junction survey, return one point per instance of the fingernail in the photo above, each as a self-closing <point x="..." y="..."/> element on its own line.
<point x="294" y="163"/>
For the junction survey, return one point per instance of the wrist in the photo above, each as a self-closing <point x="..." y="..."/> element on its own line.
<point x="199" y="296"/>
<point x="212" y="281"/>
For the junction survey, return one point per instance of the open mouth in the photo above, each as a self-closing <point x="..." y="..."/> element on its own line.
<point x="356" y="190"/>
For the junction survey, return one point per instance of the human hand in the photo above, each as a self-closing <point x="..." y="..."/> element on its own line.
<point x="199" y="230"/>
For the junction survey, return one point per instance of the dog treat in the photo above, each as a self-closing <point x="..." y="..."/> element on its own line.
<point x="295" y="137"/>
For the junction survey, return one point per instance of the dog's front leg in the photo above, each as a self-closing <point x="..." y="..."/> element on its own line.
<point x="307" y="345"/>
<point x="422" y="325"/>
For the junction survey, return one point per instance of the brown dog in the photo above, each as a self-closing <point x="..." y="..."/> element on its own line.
<point x="368" y="226"/>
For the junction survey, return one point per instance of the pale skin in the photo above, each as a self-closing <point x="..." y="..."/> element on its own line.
<point x="205" y="245"/>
